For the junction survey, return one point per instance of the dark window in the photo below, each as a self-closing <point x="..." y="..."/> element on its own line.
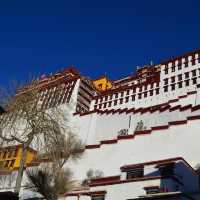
<point x="187" y="75"/>
<point x="12" y="163"/>
<point x="134" y="90"/>
<point x="101" y="99"/>
<point x="187" y="83"/>
<point x="186" y="64"/>
<point x="157" y="84"/>
<point x="145" y="87"/>
<point x="96" y="101"/>
<point x="100" y="106"/>
<point x="6" y="163"/>
<point x="116" y="95"/>
<point x="194" y="81"/>
<point x="122" y="94"/>
<point x="115" y="102"/>
<point x="165" y="81"/>
<point x="127" y="92"/>
<point x="151" y="85"/>
<point x="104" y="105"/>
<point x="157" y="91"/>
<point x="179" y="65"/>
<point x="165" y="88"/>
<point x="140" y="89"/>
<point x="133" y="97"/>
<point x="166" y="70"/>
<point x="145" y="94"/>
<point x="95" y="107"/>
<point x="139" y="96"/>
<point x="135" y="173"/>
<point x="121" y="101"/>
<point x="109" y="103"/>
<point x="173" y="86"/>
<point x="110" y="96"/>
<point x="106" y="98"/>
<point x="173" y="68"/>
<point x="179" y="77"/>
<point x="193" y="60"/>
<point x="100" y="85"/>
<point x="180" y="84"/>
<point x="172" y="79"/>
<point x="151" y="92"/>
<point x="127" y="98"/>
<point x="99" y="197"/>
<point x="194" y="73"/>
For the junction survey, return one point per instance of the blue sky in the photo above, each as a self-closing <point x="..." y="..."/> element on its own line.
<point x="107" y="36"/>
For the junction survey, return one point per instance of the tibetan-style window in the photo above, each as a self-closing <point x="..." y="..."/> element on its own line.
<point x="166" y="70"/>
<point x="194" y="81"/>
<point x="139" y="96"/>
<point x="106" y="98"/>
<point x="145" y="94"/>
<point x="137" y="172"/>
<point x="173" y="86"/>
<point x="157" y="91"/>
<point x="166" y="89"/>
<point x="133" y="97"/>
<point x="180" y="84"/>
<point x="122" y="94"/>
<point x="186" y="62"/>
<point x="193" y="72"/>
<point x="121" y="101"/>
<point x="109" y="103"/>
<point x="179" y="77"/>
<point x="179" y="65"/>
<point x="127" y="98"/>
<point x="165" y="81"/>
<point x="172" y="79"/>
<point x="173" y="68"/>
<point x="115" y="102"/>
<point x="151" y="92"/>
<point x="127" y="92"/>
<point x="116" y="95"/>
<point x="187" y="82"/>
<point x="187" y="75"/>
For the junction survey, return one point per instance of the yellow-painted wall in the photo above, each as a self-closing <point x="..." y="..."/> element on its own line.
<point x="11" y="159"/>
<point x="102" y="84"/>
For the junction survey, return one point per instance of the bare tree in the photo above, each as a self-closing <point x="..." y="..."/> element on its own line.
<point x="47" y="131"/>
<point x="50" y="183"/>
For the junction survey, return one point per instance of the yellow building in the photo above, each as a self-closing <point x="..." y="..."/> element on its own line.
<point x="10" y="157"/>
<point x="102" y="83"/>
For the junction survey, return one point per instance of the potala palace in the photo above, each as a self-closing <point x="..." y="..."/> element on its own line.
<point x="142" y="131"/>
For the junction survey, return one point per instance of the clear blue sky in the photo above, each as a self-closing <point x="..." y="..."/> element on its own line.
<point x="107" y="36"/>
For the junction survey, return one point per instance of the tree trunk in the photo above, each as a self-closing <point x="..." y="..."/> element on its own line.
<point x="21" y="170"/>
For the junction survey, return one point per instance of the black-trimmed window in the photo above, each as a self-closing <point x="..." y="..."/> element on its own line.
<point x="180" y="77"/>
<point x="133" y="97"/>
<point x="139" y="95"/>
<point x="172" y="79"/>
<point x="127" y="92"/>
<point x="106" y="98"/>
<point x="109" y="103"/>
<point x="100" y="106"/>
<point x="180" y="84"/>
<point x="187" y="82"/>
<point x="165" y="81"/>
<point x="116" y="95"/>
<point x="137" y="172"/>
<point x="145" y="94"/>
<point x="104" y="105"/>
<point x="179" y="65"/>
<point x="121" y="101"/>
<point x="166" y="71"/>
<point x="157" y="91"/>
<point x="186" y="74"/>
<point x="173" y="87"/>
<point x="194" y="81"/>
<point x="122" y="94"/>
<point x="127" y="98"/>
<point x="151" y="92"/>
<point x="194" y="73"/>
<point x="173" y="68"/>
<point x="115" y="102"/>
<point x="166" y="88"/>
